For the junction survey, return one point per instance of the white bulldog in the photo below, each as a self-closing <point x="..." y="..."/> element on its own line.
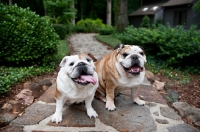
<point x="121" y="69"/>
<point x="77" y="81"/>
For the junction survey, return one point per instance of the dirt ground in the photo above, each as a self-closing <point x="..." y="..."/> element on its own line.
<point x="15" y="89"/>
<point x="189" y="92"/>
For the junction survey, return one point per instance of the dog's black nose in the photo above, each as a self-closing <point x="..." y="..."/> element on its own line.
<point x="81" y="64"/>
<point x="134" y="57"/>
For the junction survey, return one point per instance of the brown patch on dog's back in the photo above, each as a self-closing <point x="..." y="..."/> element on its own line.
<point x="56" y="93"/>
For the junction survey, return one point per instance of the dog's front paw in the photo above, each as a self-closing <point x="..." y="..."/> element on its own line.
<point x="110" y="106"/>
<point x="91" y="112"/>
<point x="139" y="101"/>
<point x="57" y="117"/>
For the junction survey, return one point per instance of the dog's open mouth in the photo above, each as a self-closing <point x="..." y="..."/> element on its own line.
<point x="134" y="70"/>
<point x="85" y="80"/>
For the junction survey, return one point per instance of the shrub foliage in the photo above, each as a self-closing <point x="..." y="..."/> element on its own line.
<point x="25" y="38"/>
<point x="175" y="45"/>
<point x="89" y="25"/>
<point x="61" y="30"/>
<point x="11" y="75"/>
<point x="145" y="22"/>
<point x="107" y="30"/>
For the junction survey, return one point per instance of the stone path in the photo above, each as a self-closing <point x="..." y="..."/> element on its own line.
<point x="155" y="116"/>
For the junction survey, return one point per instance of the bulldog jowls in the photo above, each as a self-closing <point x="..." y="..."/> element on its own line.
<point x="121" y="69"/>
<point x="77" y="81"/>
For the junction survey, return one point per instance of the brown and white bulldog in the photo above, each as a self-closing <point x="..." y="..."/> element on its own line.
<point x="77" y="81"/>
<point x="121" y="69"/>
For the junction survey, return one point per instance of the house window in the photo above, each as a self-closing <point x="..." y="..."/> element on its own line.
<point x="145" y="9"/>
<point x="154" y="8"/>
<point x="180" y="17"/>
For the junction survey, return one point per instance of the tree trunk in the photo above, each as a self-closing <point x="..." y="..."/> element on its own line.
<point x="10" y="2"/>
<point x="109" y="12"/>
<point x="122" y="15"/>
<point x="45" y="11"/>
<point x="73" y="19"/>
<point x="81" y="8"/>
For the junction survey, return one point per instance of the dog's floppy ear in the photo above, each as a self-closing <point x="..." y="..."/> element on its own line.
<point x="92" y="57"/>
<point x="64" y="60"/>
<point x="119" y="47"/>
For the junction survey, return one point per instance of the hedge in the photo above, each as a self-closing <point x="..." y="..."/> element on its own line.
<point x="175" y="45"/>
<point x="25" y="38"/>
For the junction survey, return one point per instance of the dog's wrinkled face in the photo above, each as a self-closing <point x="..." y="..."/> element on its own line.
<point x="80" y="68"/>
<point x="132" y="60"/>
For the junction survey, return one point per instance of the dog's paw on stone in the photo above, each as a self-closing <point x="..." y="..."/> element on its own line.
<point x="56" y="118"/>
<point x="139" y="101"/>
<point x="110" y="106"/>
<point x="92" y="113"/>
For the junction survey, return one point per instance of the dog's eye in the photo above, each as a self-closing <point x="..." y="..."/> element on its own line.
<point x="71" y="64"/>
<point x="142" y="53"/>
<point x="124" y="55"/>
<point x="88" y="60"/>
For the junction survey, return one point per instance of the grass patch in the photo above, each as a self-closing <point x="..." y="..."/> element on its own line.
<point x="63" y="50"/>
<point x="110" y="40"/>
<point x="12" y="75"/>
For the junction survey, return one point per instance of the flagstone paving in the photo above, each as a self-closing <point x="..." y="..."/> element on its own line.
<point x="155" y="116"/>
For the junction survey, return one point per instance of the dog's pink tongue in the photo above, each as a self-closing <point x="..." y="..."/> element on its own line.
<point x="135" y="69"/>
<point x="89" y="78"/>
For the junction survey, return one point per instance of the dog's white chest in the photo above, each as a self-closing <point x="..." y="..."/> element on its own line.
<point x="130" y="82"/>
<point x="79" y="95"/>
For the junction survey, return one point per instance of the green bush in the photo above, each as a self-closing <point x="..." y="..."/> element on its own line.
<point x="61" y="30"/>
<point x="89" y="25"/>
<point x="175" y="45"/>
<point x="80" y="29"/>
<point x="25" y="38"/>
<point x="52" y="20"/>
<point x="145" y="22"/>
<point x="12" y="75"/>
<point x="107" y="30"/>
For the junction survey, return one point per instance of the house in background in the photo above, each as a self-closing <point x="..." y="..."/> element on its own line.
<point x="151" y="8"/>
<point x="173" y="12"/>
<point x="180" y="12"/>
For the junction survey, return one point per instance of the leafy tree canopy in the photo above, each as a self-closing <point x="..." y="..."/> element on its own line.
<point x="197" y="6"/>
<point x="60" y="9"/>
